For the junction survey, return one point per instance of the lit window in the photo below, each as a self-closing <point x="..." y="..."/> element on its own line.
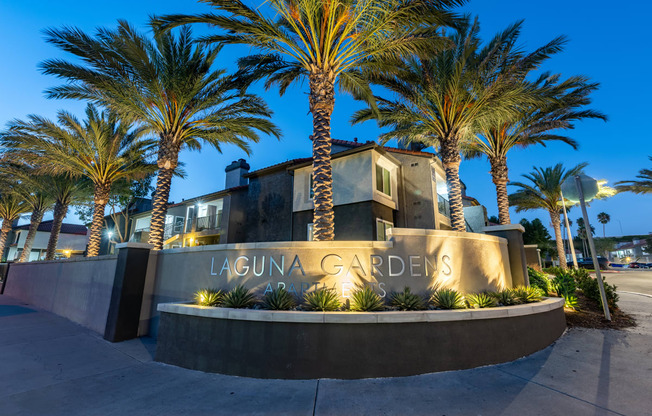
<point x="383" y="180"/>
<point x="311" y="191"/>
<point x="142" y="224"/>
<point x="382" y="227"/>
<point x="311" y="232"/>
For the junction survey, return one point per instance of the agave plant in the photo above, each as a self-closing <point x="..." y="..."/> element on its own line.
<point x="480" y="300"/>
<point x="448" y="299"/>
<point x="540" y="280"/>
<point x="279" y="300"/>
<point x="407" y="301"/>
<point x="209" y="297"/>
<point x="527" y="294"/>
<point x="323" y="299"/>
<point x="504" y="297"/>
<point x="364" y="299"/>
<point x="239" y="297"/>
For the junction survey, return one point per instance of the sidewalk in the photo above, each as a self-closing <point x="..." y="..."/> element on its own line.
<point x="50" y="366"/>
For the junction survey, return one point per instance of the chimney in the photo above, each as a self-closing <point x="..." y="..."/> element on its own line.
<point x="235" y="173"/>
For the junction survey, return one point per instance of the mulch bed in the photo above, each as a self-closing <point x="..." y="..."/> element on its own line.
<point x="590" y="315"/>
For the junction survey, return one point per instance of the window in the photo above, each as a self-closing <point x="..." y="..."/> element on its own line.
<point x="311" y="191"/>
<point x="178" y="225"/>
<point x="142" y="224"/>
<point x="383" y="180"/>
<point x="382" y="227"/>
<point x="311" y="232"/>
<point x="190" y="214"/>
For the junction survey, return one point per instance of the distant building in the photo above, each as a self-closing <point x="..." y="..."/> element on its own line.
<point x="633" y="251"/>
<point x="375" y="188"/>
<point x="73" y="239"/>
<point x="112" y="232"/>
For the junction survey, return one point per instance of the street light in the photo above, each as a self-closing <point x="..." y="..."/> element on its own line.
<point x="570" y="235"/>
<point x="580" y="189"/>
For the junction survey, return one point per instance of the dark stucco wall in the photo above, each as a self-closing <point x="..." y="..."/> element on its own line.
<point x="268" y="208"/>
<point x="353" y="222"/>
<point x="330" y="350"/>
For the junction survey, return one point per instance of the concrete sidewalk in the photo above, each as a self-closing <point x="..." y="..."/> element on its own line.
<point x="50" y="366"/>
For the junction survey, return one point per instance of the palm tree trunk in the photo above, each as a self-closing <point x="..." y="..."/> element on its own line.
<point x="500" y="179"/>
<point x="100" y="199"/>
<point x="450" y="157"/>
<point x="322" y="102"/>
<point x="4" y="232"/>
<point x="35" y="220"/>
<point x="561" y="253"/>
<point x="168" y="158"/>
<point x="60" y="211"/>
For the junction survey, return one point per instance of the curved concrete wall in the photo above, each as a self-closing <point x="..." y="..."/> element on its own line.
<point x="303" y="345"/>
<point x="419" y="259"/>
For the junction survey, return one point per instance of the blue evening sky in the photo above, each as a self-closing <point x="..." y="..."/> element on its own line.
<point x="599" y="47"/>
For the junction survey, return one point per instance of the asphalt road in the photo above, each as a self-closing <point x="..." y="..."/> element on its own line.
<point x="634" y="280"/>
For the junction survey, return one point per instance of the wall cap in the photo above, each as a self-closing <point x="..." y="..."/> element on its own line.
<point x="68" y="260"/>
<point x="258" y="315"/>
<point x="420" y="232"/>
<point x="133" y="245"/>
<point x="318" y="245"/>
<point x="507" y="227"/>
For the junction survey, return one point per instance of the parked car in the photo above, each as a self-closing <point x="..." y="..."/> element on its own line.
<point x="588" y="263"/>
<point x="637" y="265"/>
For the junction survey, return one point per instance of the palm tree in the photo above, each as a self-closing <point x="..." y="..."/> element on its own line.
<point x="11" y="206"/>
<point x="641" y="186"/>
<point x="441" y="99"/>
<point x="544" y="192"/>
<point x="165" y="84"/>
<point x="562" y="106"/>
<point x="603" y="218"/>
<point x="103" y="149"/>
<point x="328" y="42"/>
<point x="66" y="191"/>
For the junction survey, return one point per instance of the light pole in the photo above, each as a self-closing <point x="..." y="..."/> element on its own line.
<point x="570" y="235"/>
<point x="586" y="187"/>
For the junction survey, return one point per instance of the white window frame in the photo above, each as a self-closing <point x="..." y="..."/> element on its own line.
<point x="384" y="223"/>
<point x="141" y="228"/>
<point x="383" y="169"/>
<point x="310" y="232"/>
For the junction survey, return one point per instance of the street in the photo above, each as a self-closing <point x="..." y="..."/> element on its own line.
<point x="631" y="280"/>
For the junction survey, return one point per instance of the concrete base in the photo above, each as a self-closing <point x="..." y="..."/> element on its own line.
<point x="271" y="348"/>
<point x="513" y="233"/>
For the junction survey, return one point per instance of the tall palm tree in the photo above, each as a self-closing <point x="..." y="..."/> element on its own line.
<point x="562" y="105"/>
<point x="328" y="42"/>
<point x="102" y="148"/>
<point x="168" y="86"/>
<point x="641" y="186"/>
<point x="441" y="99"/>
<point x="544" y="192"/>
<point x="11" y="206"/>
<point x="604" y="218"/>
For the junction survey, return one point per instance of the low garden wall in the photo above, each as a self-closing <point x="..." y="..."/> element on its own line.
<point x="304" y="345"/>
<point x="78" y="289"/>
<point x="420" y="259"/>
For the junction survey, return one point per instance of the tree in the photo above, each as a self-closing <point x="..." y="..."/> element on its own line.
<point x="66" y="190"/>
<point x="535" y="232"/>
<point x="605" y="245"/>
<point x="11" y="206"/>
<point x="603" y="218"/>
<point x="328" y="42"/>
<point x="168" y="86"/>
<point x="562" y="105"/>
<point x="103" y="149"/>
<point x="581" y="234"/>
<point x="39" y="199"/>
<point x="440" y="99"/>
<point x="641" y="186"/>
<point x="544" y="192"/>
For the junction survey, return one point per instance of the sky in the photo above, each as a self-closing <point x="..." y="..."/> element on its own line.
<point x="598" y="47"/>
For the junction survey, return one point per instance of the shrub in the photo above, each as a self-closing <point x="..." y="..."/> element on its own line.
<point x="504" y="297"/>
<point x="239" y="297"/>
<point x="540" y="280"/>
<point x="527" y="294"/>
<point x="554" y="270"/>
<point x="279" y="300"/>
<point x="406" y="300"/>
<point x="480" y="300"/>
<point x="448" y="299"/>
<point x="564" y="285"/>
<point x="364" y="299"/>
<point x="209" y="297"/>
<point x="589" y="287"/>
<point x="323" y="299"/>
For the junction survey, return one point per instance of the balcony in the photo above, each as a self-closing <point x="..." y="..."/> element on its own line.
<point x="210" y="222"/>
<point x="444" y="206"/>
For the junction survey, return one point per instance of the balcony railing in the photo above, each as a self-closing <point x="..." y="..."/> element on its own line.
<point x="210" y="222"/>
<point x="444" y="206"/>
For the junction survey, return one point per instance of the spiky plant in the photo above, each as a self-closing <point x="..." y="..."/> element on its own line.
<point x="480" y="300"/>
<point x="209" y="297"/>
<point x="527" y="294"/>
<point x="279" y="299"/>
<point x="565" y="286"/>
<point x="167" y="84"/>
<point x="239" y="297"/>
<point x="448" y="299"/>
<point x="364" y="299"/>
<point x="329" y="43"/>
<point x="322" y="299"/>
<point x="407" y="301"/>
<point x="504" y="297"/>
<point x="539" y="280"/>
